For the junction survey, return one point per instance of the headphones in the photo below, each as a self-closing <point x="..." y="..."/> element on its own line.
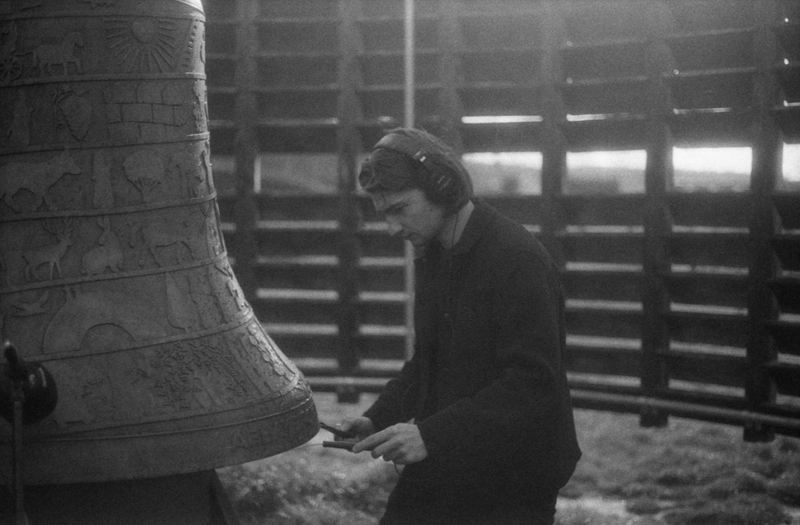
<point x="441" y="186"/>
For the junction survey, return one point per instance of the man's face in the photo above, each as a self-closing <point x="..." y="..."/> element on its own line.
<point x="411" y="215"/>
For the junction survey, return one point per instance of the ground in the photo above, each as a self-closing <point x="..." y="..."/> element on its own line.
<point x="688" y="473"/>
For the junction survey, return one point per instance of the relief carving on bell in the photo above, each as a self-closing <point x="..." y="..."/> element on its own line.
<point x="113" y="271"/>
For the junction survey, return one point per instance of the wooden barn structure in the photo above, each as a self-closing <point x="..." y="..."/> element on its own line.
<point x="680" y="300"/>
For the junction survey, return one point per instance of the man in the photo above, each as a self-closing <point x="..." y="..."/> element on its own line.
<point x="481" y="415"/>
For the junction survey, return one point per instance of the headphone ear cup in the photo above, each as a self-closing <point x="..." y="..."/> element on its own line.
<point x="444" y="187"/>
<point x="447" y="189"/>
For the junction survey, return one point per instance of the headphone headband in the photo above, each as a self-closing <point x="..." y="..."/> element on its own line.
<point x="407" y="146"/>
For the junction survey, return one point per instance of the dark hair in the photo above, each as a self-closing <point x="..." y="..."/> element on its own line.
<point x="409" y="158"/>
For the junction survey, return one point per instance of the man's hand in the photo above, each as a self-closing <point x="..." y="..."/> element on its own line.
<point x="358" y="427"/>
<point x="401" y="443"/>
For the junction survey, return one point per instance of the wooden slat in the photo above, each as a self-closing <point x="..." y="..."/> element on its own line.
<point x="367" y="367"/>
<point x="294" y="226"/>
<point x="325" y="261"/>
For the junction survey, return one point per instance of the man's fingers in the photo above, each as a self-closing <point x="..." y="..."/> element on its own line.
<point x="401" y="444"/>
<point x="375" y="440"/>
<point x="368" y="443"/>
<point x="388" y="449"/>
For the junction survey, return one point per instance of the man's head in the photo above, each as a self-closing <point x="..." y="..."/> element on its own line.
<point x="408" y="158"/>
<point x="418" y="183"/>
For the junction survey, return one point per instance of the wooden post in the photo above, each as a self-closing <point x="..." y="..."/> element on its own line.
<point x="409" y="121"/>
<point x="657" y="227"/>
<point x="450" y="108"/>
<point x="349" y="146"/>
<point x="554" y="142"/>
<point x="761" y="306"/>
<point x="245" y="247"/>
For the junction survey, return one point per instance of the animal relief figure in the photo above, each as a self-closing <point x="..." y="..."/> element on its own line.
<point x="36" y="177"/>
<point x="107" y="256"/>
<point x="51" y="254"/>
<point x="63" y="53"/>
<point x="149" y="237"/>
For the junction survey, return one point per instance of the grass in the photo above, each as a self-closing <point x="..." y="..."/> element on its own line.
<point x="689" y="473"/>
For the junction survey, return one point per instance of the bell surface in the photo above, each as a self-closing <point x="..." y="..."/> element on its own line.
<point x="113" y="270"/>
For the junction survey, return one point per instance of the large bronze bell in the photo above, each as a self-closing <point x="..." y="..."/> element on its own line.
<point x="113" y="272"/>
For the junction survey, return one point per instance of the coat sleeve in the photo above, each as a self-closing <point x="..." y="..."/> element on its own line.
<point x="516" y="412"/>
<point x="397" y="399"/>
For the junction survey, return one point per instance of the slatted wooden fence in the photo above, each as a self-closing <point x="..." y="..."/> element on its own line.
<point x="679" y="302"/>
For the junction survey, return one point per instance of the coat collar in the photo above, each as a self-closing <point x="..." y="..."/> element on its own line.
<point x="473" y="231"/>
<point x="477" y="223"/>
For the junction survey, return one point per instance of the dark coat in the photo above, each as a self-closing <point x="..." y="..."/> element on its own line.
<point x="487" y="384"/>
